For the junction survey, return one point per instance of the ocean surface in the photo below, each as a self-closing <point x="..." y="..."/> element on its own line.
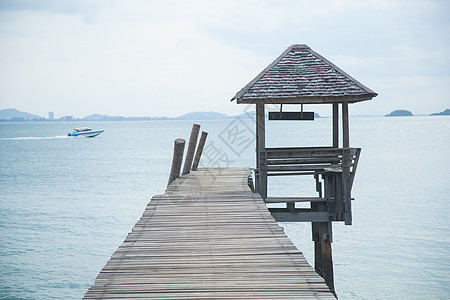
<point x="66" y="204"/>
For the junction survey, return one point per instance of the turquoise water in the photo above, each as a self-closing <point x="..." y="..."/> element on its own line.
<point x="67" y="203"/>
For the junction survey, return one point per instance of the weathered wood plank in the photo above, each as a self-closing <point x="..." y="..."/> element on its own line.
<point x="208" y="237"/>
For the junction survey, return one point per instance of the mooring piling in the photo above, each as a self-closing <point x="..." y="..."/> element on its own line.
<point x="198" y="153"/>
<point x="191" y="149"/>
<point x="327" y="261"/>
<point x="178" y="150"/>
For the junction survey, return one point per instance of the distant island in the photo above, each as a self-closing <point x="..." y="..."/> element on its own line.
<point x="189" y="116"/>
<point x="13" y="114"/>
<point x="442" y="113"/>
<point x="407" y="113"/>
<point x="400" y="113"/>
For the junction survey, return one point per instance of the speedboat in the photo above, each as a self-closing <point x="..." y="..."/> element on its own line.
<point x="85" y="131"/>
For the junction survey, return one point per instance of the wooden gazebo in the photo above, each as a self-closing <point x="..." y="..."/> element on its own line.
<point x="302" y="76"/>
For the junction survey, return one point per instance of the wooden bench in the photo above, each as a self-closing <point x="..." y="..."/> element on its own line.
<point x="330" y="163"/>
<point x="311" y="160"/>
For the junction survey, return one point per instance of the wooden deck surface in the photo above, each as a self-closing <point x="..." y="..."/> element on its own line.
<point x="208" y="237"/>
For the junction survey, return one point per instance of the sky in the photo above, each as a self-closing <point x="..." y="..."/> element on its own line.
<point x="167" y="58"/>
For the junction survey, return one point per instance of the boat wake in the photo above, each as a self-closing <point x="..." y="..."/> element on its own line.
<point x="35" y="138"/>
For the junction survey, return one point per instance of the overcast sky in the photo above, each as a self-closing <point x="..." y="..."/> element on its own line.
<point x="166" y="58"/>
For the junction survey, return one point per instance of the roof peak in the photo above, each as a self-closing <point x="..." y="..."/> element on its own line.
<point x="303" y="77"/>
<point x="299" y="46"/>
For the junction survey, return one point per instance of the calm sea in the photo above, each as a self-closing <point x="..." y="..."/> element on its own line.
<point x="66" y="204"/>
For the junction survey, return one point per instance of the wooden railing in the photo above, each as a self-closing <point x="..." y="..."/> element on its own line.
<point x="337" y="167"/>
<point x="309" y="161"/>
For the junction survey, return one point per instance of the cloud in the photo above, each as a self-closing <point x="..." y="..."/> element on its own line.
<point x="167" y="58"/>
<point x="88" y="9"/>
<point x="166" y="66"/>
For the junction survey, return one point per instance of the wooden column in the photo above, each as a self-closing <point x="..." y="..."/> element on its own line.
<point x="257" y="150"/>
<point x="262" y="162"/>
<point x="323" y="259"/>
<point x="198" y="153"/>
<point x="191" y="149"/>
<point x="346" y="184"/>
<point x="335" y="125"/>
<point x="322" y="236"/>
<point x="345" y="126"/>
<point x="327" y="258"/>
<point x="178" y="149"/>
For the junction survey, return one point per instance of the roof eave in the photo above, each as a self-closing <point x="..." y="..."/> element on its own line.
<point x="308" y="100"/>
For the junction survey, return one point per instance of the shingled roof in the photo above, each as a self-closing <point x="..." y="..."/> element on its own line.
<point x="301" y="75"/>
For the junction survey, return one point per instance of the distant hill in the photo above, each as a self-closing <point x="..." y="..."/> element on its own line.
<point x="95" y="117"/>
<point x="99" y="117"/>
<point x="442" y="113"/>
<point x="200" y="115"/>
<point x="400" y="113"/>
<point x="247" y="115"/>
<point x="12" y="113"/>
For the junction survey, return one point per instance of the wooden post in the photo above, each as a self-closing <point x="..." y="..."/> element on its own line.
<point x="318" y="257"/>
<point x="345" y="126"/>
<point x="191" y="149"/>
<point x="322" y="237"/>
<point x="198" y="153"/>
<point x="346" y="184"/>
<point x="323" y="257"/>
<point x="327" y="261"/>
<point x="335" y="125"/>
<point x="178" y="149"/>
<point x="257" y="151"/>
<point x="262" y="163"/>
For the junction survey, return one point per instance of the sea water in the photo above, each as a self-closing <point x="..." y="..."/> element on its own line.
<point x="66" y="204"/>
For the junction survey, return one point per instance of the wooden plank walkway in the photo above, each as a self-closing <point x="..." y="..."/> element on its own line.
<point x="208" y="237"/>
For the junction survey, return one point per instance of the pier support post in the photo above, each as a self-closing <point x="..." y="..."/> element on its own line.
<point x="322" y="233"/>
<point x="178" y="150"/>
<point x="323" y="258"/>
<point x="199" y="152"/>
<point x="191" y="149"/>
<point x="327" y="261"/>
<point x="261" y="163"/>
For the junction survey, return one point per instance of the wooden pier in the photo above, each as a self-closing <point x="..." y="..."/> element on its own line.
<point x="211" y="236"/>
<point x="208" y="237"/>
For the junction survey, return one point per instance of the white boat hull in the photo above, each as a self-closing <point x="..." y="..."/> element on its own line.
<point x="86" y="133"/>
